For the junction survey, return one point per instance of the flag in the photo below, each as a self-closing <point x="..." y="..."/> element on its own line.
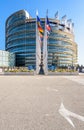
<point x="57" y="15"/>
<point x="40" y="29"/>
<point x="64" y="18"/>
<point x="48" y="27"/>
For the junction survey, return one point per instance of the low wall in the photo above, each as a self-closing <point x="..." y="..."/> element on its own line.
<point x="63" y="73"/>
<point x="17" y="73"/>
<point x="33" y="73"/>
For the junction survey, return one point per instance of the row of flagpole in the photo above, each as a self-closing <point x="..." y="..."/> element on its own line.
<point x="41" y="37"/>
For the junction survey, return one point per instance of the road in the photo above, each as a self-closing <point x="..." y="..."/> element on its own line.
<point x="42" y="102"/>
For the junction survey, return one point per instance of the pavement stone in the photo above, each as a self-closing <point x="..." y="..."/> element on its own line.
<point x="33" y="102"/>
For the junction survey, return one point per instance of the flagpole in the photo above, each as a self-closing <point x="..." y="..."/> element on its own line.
<point x="45" y="51"/>
<point x="37" y="67"/>
<point x="38" y="48"/>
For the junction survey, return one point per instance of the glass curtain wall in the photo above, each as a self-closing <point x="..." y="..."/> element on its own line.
<point x="21" y="40"/>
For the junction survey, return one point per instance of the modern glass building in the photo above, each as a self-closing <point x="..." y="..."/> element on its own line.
<point x="21" y="40"/>
<point x="7" y="59"/>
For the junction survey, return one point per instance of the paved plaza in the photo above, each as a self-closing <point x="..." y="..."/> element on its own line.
<point x="42" y="102"/>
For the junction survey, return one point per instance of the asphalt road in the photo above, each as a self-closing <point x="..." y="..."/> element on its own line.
<point x="42" y="102"/>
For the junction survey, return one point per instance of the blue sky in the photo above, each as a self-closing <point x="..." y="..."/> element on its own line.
<point x="74" y="9"/>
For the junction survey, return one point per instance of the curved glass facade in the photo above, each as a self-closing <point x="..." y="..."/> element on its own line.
<point x="7" y="59"/>
<point x="21" y="40"/>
